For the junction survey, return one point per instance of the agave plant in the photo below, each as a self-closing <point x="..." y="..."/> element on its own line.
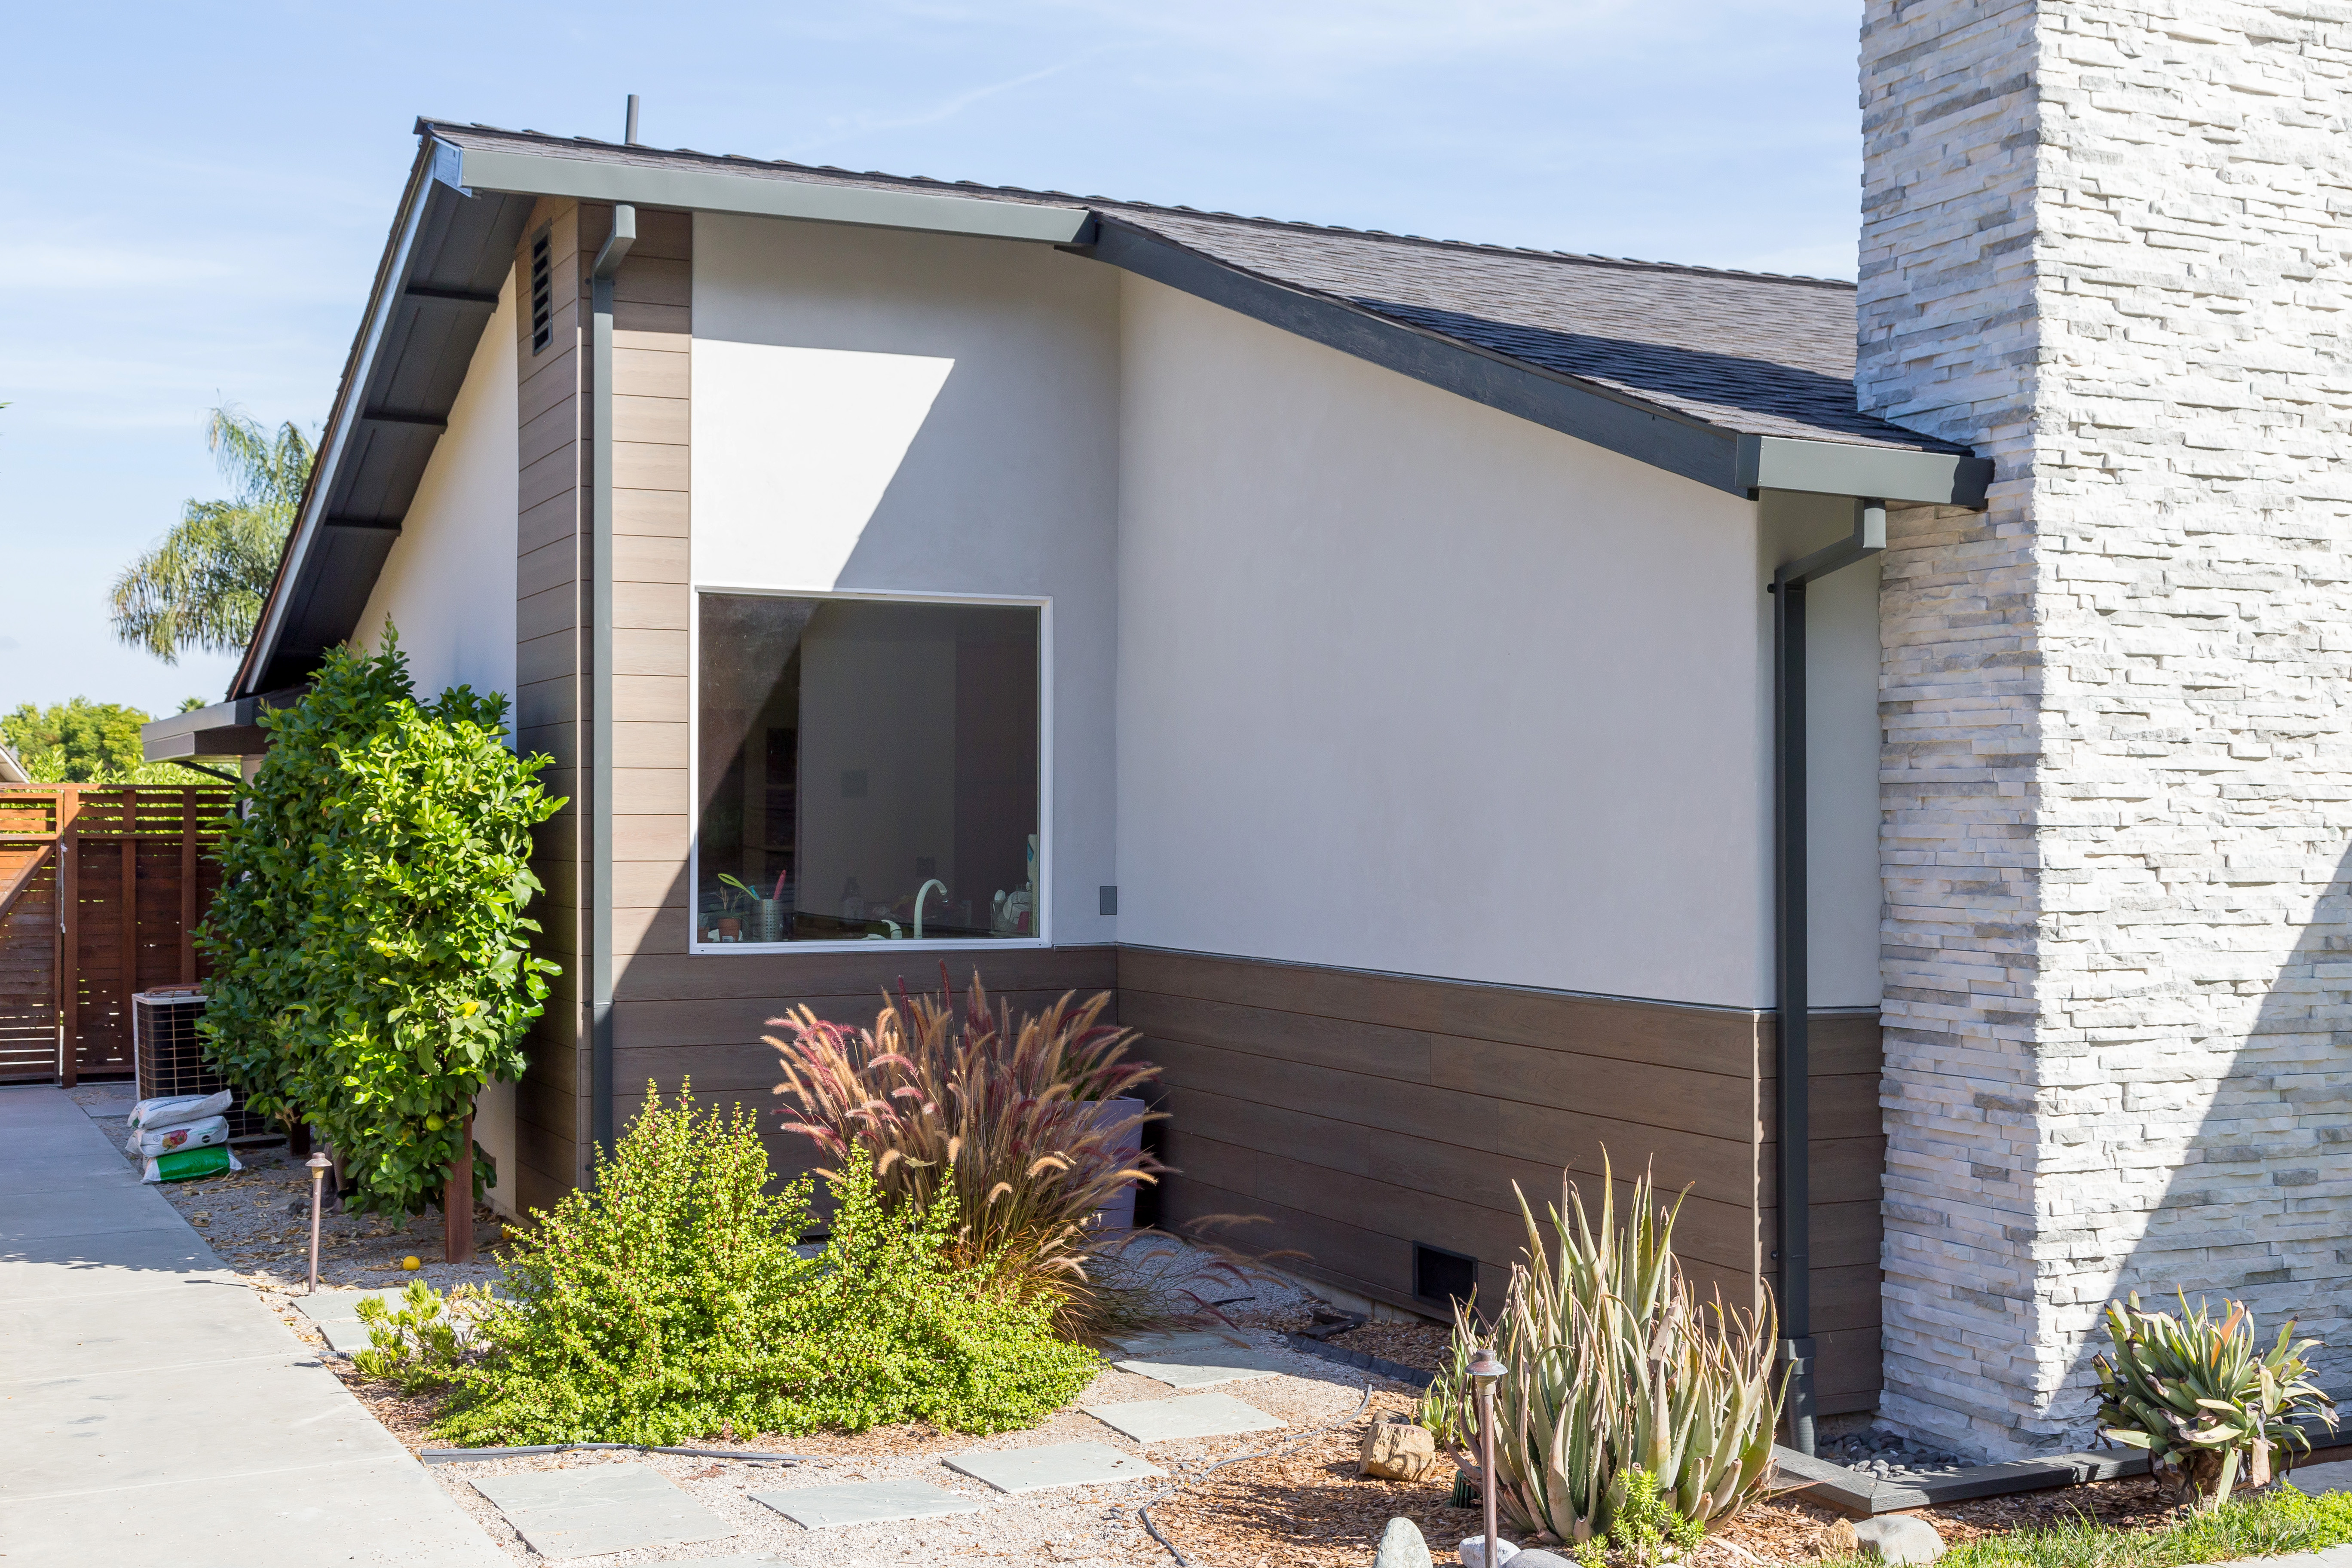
<point x="1618" y="1375"/>
<point x="2199" y="1398"/>
<point x="1009" y="1109"/>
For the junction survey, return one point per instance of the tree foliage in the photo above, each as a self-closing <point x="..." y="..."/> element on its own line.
<point x="202" y="584"/>
<point x="81" y="741"/>
<point x="370" y="958"/>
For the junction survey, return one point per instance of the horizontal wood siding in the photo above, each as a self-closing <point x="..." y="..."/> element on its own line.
<point x="1346" y="1116"/>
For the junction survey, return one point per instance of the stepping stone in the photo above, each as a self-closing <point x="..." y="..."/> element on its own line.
<point x="1195" y="1415"/>
<point x="2318" y="1478"/>
<point x="1203" y="1369"/>
<point x="863" y="1502"/>
<point x="337" y="1313"/>
<point x="1053" y="1465"/>
<point x="1161" y="1346"/>
<point x="596" y="1508"/>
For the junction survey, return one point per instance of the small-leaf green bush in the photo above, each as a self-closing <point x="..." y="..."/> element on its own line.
<point x="419" y="1343"/>
<point x="667" y="1303"/>
<point x="372" y="965"/>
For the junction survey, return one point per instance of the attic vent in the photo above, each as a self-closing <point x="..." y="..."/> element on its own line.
<point x="542" y="293"/>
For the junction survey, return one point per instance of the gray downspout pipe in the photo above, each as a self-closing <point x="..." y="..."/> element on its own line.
<point x="606" y="267"/>
<point x="1791" y="910"/>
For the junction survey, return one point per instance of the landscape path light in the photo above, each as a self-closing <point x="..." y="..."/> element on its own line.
<point x="1486" y="1371"/>
<point x="319" y="1163"/>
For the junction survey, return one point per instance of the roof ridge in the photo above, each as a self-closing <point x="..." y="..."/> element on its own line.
<point x="1570" y="257"/>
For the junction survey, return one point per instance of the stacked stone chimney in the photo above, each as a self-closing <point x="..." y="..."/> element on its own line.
<point x="2106" y="243"/>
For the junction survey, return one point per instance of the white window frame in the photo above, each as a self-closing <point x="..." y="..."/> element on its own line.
<point x="1041" y="604"/>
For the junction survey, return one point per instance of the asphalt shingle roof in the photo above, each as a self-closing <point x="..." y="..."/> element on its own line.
<point x="1759" y="353"/>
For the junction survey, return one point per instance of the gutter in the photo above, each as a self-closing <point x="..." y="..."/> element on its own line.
<point x="601" y="274"/>
<point x="1791" y="910"/>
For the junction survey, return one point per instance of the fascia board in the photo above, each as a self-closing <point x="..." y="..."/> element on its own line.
<point x="1886" y="473"/>
<point x="1696" y="451"/>
<point x="711" y="190"/>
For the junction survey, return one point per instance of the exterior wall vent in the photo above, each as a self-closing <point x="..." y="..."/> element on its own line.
<point x="1442" y="1277"/>
<point x="543" y="292"/>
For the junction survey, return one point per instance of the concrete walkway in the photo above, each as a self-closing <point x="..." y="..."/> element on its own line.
<point x="152" y="1409"/>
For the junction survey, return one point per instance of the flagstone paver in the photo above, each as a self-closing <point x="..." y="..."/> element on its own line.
<point x="1204" y="1369"/>
<point x="2317" y="1478"/>
<point x="865" y="1503"/>
<point x="1194" y="1415"/>
<point x="590" y="1510"/>
<point x="1052" y="1465"/>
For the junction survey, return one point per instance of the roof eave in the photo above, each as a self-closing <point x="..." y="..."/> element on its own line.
<point x="722" y="190"/>
<point x="1733" y="462"/>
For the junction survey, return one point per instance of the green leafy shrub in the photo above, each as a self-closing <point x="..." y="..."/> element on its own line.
<point x="992" y="1110"/>
<point x="2196" y="1395"/>
<point x="1614" y="1364"/>
<point x="371" y="959"/>
<point x="667" y="1303"/>
<point x="420" y="1343"/>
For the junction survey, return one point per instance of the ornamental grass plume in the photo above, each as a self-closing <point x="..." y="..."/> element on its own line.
<point x="1002" y="1111"/>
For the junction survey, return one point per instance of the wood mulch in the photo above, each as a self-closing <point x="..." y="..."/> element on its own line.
<point x="1792" y="1530"/>
<point x="1425" y="1346"/>
<point x="1307" y="1506"/>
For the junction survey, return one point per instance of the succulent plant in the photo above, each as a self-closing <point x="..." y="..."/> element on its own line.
<point x="2195" y="1393"/>
<point x="1615" y="1367"/>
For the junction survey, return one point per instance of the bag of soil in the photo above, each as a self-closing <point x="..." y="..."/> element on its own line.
<point x="186" y="1164"/>
<point x="176" y="1110"/>
<point x="153" y="1142"/>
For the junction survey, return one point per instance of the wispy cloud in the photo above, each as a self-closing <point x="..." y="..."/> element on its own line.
<point x="864" y="125"/>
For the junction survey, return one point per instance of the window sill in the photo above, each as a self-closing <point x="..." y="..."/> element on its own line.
<point x="866" y="944"/>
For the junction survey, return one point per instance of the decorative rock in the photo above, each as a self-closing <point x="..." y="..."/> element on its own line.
<point x="1403" y="1547"/>
<point x="1537" y="1557"/>
<point x="1397" y="1450"/>
<point x="1473" y="1551"/>
<point x="1899" y="1538"/>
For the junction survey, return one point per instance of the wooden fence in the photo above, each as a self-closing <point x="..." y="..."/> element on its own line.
<point x="101" y="887"/>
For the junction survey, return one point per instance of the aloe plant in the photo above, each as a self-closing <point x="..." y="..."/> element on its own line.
<point x="2201" y="1399"/>
<point x="1618" y="1374"/>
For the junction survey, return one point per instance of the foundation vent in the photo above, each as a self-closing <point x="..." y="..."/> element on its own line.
<point x="1442" y="1277"/>
<point x="543" y="292"/>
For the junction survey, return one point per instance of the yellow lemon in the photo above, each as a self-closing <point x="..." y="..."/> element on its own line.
<point x="432" y="1124"/>
<point x="412" y="1262"/>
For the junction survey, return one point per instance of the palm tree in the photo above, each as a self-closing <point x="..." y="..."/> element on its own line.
<point x="202" y="586"/>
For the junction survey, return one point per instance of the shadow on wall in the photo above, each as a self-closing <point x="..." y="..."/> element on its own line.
<point x="2258" y="1206"/>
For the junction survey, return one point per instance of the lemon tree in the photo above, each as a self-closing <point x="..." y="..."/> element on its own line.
<point x="371" y="963"/>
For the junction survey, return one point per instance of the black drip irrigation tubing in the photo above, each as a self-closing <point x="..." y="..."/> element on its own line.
<point x="1144" y="1513"/>
<point x="462" y="1456"/>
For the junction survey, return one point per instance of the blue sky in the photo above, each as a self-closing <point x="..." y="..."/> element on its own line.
<point x="206" y="190"/>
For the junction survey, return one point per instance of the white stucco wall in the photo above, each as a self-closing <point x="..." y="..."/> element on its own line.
<point x="449" y="586"/>
<point x="1841" y="754"/>
<point x="1408" y="684"/>
<point x="898" y="413"/>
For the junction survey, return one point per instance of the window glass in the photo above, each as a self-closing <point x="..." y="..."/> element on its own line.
<point x="867" y="769"/>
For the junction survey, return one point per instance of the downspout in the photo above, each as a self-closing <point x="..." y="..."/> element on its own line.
<point x="1791" y="911"/>
<point x="601" y="273"/>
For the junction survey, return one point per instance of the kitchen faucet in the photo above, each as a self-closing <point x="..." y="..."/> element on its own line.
<point x="920" y="894"/>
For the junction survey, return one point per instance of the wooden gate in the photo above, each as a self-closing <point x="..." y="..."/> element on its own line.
<point x="101" y="887"/>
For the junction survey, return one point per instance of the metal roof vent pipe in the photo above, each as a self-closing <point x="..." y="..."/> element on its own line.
<point x="1791" y="909"/>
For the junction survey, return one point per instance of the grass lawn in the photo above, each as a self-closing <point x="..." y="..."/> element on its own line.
<point x="2271" y="1524"/>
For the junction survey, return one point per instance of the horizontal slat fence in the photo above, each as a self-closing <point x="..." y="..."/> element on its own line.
<point x="101" y="889"/>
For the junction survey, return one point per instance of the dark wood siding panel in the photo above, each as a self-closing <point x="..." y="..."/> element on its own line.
<point x="1338" y="1083"/>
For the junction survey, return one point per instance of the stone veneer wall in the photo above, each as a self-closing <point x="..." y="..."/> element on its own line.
<point x="2106" y="243"/>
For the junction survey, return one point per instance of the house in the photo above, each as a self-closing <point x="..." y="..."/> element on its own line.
<point x="1478" y="709"/>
